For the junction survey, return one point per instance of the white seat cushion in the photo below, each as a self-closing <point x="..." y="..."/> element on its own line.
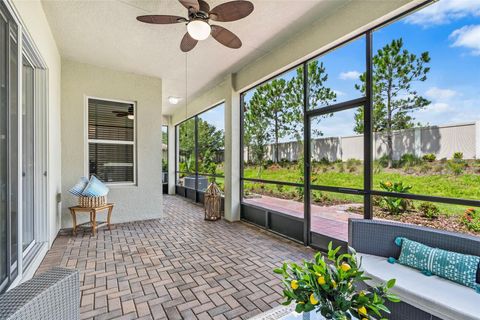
<point x="439" y="297"/>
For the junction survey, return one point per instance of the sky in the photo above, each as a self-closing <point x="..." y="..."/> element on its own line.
<point x="450" y="31"/>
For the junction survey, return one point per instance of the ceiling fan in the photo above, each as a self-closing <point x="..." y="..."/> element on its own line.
<point x="198" y="26"/>
<point x="128" y="113"/>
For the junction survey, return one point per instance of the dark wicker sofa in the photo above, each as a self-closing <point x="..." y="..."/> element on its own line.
<point x="53" y="295"/>
<point x="422" y="297"/>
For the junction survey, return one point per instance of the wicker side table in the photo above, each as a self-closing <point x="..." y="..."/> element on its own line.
<point x="93" y="217"/>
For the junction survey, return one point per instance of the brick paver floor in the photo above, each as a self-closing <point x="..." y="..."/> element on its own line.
<point x="177" y="267"/>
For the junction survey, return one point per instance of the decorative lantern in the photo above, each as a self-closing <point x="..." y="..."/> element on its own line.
<point x="213" y="202"/>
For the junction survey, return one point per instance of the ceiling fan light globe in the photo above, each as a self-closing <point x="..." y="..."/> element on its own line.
<point x="199" y="29"/>
<point x="131" y="117"/>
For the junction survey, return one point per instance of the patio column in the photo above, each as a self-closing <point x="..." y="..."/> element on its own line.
<point x="171" y="157"/>
<point x="232" y="151"/>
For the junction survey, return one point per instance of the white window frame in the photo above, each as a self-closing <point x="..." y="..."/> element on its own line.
<point x="118" y="142"/>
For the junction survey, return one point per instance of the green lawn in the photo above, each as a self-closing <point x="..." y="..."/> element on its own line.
<point x="465" y="186"/>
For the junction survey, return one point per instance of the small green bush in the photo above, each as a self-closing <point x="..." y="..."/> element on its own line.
<point x="429" y="157"/>
<point x="324" y="161"/>
<point x="458" y="156"/>
<point x="394" y="205"/>
<point x="352" y="164"/>
<point x="340" y="167"/>
<point x="383" y="161"/>
<point x="409" y="160"/>
<point x="424" y="168"/>
<point x="377" y="168"/>
<point x="429" y="210"/>
<point x="456" y="167"/>
<point x="471" y="219"/>
<point x="280" y="188"/>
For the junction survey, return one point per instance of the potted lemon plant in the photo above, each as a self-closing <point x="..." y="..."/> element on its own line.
<point x="331" y="285"/>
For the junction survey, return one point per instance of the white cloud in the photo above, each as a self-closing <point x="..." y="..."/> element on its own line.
<point x="349" y="75"/>
<point x="440" y="94"/>
<point x="445" y="11"/>
<point x="467" y="37"/>
<point x="339" y="93"/>
<point x="438" y="107"/>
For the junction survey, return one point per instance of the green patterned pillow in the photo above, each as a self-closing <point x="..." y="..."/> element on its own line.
<point x="457" y="267"/>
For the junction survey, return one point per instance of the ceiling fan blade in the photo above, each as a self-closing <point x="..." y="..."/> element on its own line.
<point x="205" y="7"/>
<point x="226" y="37"/>
<point x="231" y="11"/>
<point x="160" y="19"/>
<point x="188" y="43"/>
<point x="190" y="4"/>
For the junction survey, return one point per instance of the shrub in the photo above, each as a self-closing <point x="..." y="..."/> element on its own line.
<point x="458" y="156"/>
<point x="320" y="197"/>
<point x="429" y="157"/>
<point x="456" y="167"/>
<point x="394" y="205"/>
<point x="409" y="160"/>
<point x="324" y="161"/>
<point x="340" y="167"/>
<point x="284" y="163"/>
<point x="352" y="164"/>
<point x="280" y="188"/>
<point x="377" y="168"/>
<point x="383" y="161"/>
<point x="424" y="168"/>
<point x="471" y="219"/>
<point x="429" y="210"/>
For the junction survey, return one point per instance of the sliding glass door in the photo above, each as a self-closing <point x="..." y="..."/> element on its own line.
<point x="23" y="150"/>
<point x="3" y="153"/>
<point x="9" y="154"/>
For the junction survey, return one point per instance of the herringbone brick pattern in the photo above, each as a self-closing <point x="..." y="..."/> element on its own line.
<point x="177" y="267"/>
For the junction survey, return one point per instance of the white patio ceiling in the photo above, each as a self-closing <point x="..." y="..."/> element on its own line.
<point x="106" y="33"/>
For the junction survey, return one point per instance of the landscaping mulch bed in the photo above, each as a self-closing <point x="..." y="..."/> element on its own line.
<point x="443" y="222"/>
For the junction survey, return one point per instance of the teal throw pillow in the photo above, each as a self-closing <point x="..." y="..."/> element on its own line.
<point x="457" y="267"/>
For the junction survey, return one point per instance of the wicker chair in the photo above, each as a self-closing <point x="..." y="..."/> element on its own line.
<point x="375" y="238"/>
<point x="53" y="295"/>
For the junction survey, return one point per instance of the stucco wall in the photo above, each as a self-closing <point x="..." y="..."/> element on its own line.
<point x="143" y="201"/>
<point x="33" y="17"/>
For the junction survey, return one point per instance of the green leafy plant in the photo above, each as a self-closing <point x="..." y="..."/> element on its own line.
<point x="409" y="160"/>
<point x="331" y="284"/>
<point x="383" y="161"/>
<point x="457" y="156"/>
<point x="429" y="210"/>
<point x="392" y="204"/>
<point x="352" y="164"/>
<point x="429" y="157"/>
<point x="471" y="219"/>
<point x="340" y="167"/>
<point x="456" y="167"/>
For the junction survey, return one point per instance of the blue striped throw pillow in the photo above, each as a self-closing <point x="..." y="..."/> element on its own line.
<point x="457" y="267"/>
<point x="95" y="188"/>
<point x="78" y="188"/>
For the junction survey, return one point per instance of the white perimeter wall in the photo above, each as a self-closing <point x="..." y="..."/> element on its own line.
<point x="79" y="80"/>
